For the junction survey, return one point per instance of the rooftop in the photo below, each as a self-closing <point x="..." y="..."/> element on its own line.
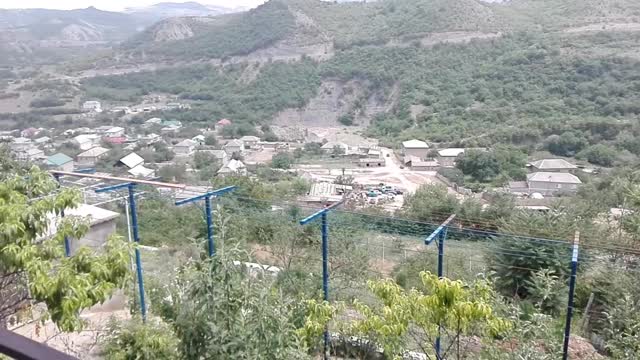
<point x="132" y="160"/>
<point x="186" y="143"/>
<point x="415" y="144"/>
<point x="553" y="177"/>
<point x="94" y="152"/>
<point x="250" y="138"/>
<point x="451" y="152"/>
<point x="553" y="164"/>
<point x="58" y="159"/>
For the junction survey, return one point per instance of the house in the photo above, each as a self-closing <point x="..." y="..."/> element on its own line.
<point x="102" y="130"/>
<point x="326" y="192"/>
<point x="87" y="141"/>
<point x="92" y="105"/>
<point x="553" y="165"/>
<point x="233" y="146"/>
<point x="220" y="155"/>
<point x="44" y="141"/>
<point x="32" y="155"/>
<point x="448" y="157"/>
<point x="21" y="144"/>
<point x="132" y="160"/>
<point x="417" y="164"/>
<point x="141" y="172"/>
<point x="184" y="147"/>
<point x="90" y="157"/>
<point x="119" y="140"/>
<point x="149" y="139"/>
<point x="550" y="183"/>
<point x="331" y="145"/>
<point x="60" y="162"/>
<point x="373" y="153"/>
<point x="250" y="142"/>
<point x="122" y="109"/>
<point x="101" y="222"/>
<point x="370" y="162"/>
<point x="172" y="124"/>
<point x="233" y="167"/>
<point x="153" y="121"/>
<point x="114" y="132"/>
<point x="198" y="139"/>
<point x="416" y="148"/>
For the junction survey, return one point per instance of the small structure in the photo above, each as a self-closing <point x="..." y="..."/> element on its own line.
<point x="331" y="145"/>
<point x="250" y="142"/>
<point x="43" y="142"/>
<point x="220" y="155"/>
<point x="90" y="157"/>
<point x="325" y="192"/>
<point x="184" y="147"/>
<point x="92" y="105"/>
<point x="60" y="162"/>
<point x="448" y="157"/>
<point x="102" y="224"/>
<point x="417" y="148"/>
<point x="102" y="130"/>
<point x="132" y="160"/>
<point x="199" y="139"/>
<point x="149" y="139"/>
<point x="234" y="146"/>
<point x="417" y="164"/>
<point x="370" y="162"/>
<point x="141" y="172"/>
<point x="116" y="140"/>
<point x="21" y="144"/>
<point x="233" y="167"/>
<point x="32" y="155"/>
<point x="553" y="165"/>
<point x="550" y="183"/>
<point x="114" y="132"/>
<point x="222" y="123"/>
<point x="374" y="153"/>
<point x="87" y="141"/>
<point x="153" y="121"/>
<point x="121" y="109"/>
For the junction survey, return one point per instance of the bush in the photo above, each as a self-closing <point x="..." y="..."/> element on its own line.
<point x="46" y="102"/>
<point x="599" y="154"/>
<point x="282" y="161"/>
<point x="134" y="340"/>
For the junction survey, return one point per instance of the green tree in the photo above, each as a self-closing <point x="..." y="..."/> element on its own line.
<point x="33" y="268"/>
<point x="461" y="309"/>
<point x="567" y="144"/>
<point x="281" y="161"/>
<point x="599" y="154"/>
<point x="134" y="340"/>
<point x="430" y="203"/>
<point x="211" y="140"/>
<point x="480" y="165"/>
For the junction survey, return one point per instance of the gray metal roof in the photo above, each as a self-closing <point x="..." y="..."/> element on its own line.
<point x="554" y="177"/>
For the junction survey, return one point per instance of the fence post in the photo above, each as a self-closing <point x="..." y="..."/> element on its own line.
<point x="136" y="238"/>
<point x="572" y="288"/>
<point x="441" y="238"/>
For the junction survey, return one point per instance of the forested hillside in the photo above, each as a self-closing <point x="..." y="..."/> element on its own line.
<point x="557" y="86"/>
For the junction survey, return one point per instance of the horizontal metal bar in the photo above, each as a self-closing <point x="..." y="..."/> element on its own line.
<point x="437" y="231"/>
<point x="21" y="348"/>
<point x="204" y="196"/>
<point x="320" y="212"/>
<point x="113" y="187"/>
<point x="116" y="178"/>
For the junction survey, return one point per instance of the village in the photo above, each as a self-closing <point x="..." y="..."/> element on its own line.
<point x="335" y="162"/>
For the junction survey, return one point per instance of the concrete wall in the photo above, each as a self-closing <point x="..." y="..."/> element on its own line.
<point x="447" y="161"/>
<point x="550" y="188"/>
<point x="96" y="237"/>
<point x="420" y="153"/>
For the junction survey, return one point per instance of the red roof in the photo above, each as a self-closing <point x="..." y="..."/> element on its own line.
<point x="115" y="140"/>
<point x="224" y="122"/>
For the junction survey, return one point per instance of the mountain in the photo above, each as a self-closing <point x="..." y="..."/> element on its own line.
<point x="166" y="10"/>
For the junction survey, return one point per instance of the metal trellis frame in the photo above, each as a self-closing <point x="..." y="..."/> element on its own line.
<point x="207" y="205"/>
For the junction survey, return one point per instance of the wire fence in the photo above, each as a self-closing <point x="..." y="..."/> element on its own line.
<point x="366" y="246"/>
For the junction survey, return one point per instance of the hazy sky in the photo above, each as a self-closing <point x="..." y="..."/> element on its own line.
<point x="114" y="5"/>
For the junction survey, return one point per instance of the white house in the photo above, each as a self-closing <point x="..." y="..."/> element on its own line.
<point x="92" y="105"/>
<point x="21" y="144"/>
<point x="447" y="157"/>
<point x="550" y="183"/>
<point x="132" y="160"/>
<point x="153" y="121"/>
<point x="141" y="171"/>
<point x="220" y="155"/>
<point x="184" y="147"/>
<point x="102" y="224"/>
<point x="87" y="141"/>
<point x="250" y="142"/>
<point x="416" y="148"/>
<point x="199" y="139"/>
<point x="553" y="165"/>
<point x="91" y="156"/>
<point x="115" y="131"/>
<point x="234" y="146"/>
<point x="32" y="154"/>
<point x="331" y="145"/>
<point x="44" y="141"/>
<point x="234" y="167"/>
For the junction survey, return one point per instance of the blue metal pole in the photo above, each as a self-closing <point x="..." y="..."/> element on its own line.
<point x="136" y="238"/>
<point x="67" y="242"/>
<point x="441" y="237"/>
<point x="325" y="274"/>
<point x="572" y="288"/>
<point x="207" y="206"/>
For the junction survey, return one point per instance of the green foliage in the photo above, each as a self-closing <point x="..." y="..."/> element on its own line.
<point x="567" y="144"/>
<point x="46" y="102"/>
<point x="211" y="140"/>
<point x="66" y="285"/>
<point x="623" y="328"/>
<point x="430" y="203"/>
<point x="599" y="154"/>
<point x="454" y="175"/>
<point x="134" y="340"/>
<point x="480" y="165"/>
<point x="282" y="160"/>
<point x="461" y="309"/>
